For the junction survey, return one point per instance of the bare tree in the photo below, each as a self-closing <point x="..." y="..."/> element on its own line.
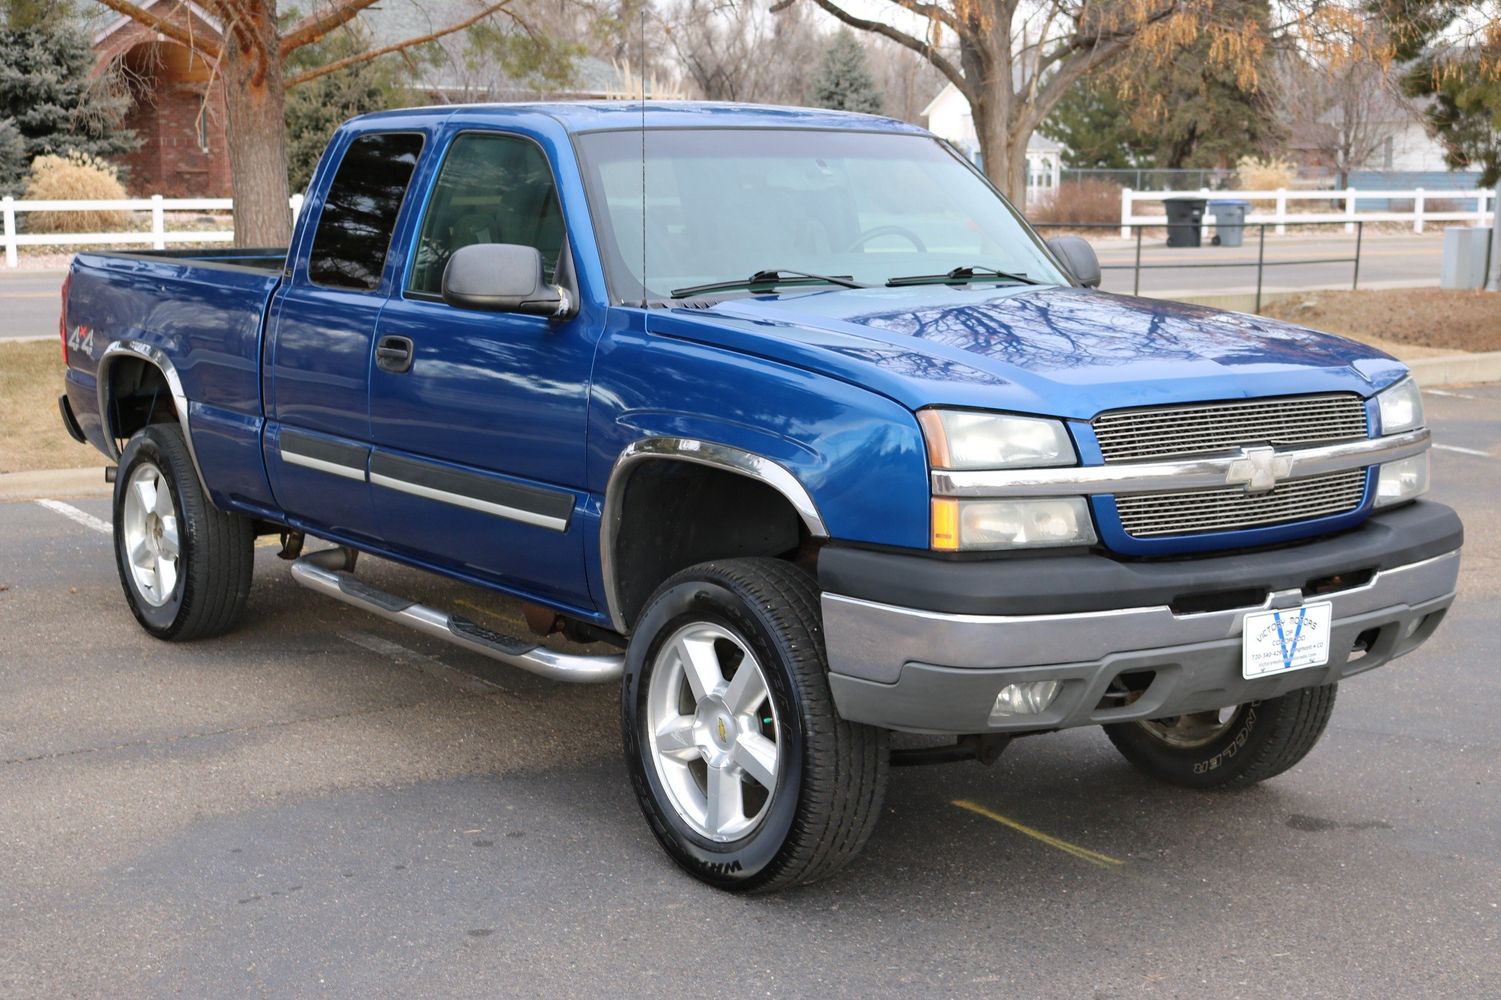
<point x="1014" y="61"/>
<point x="907" y="81"/>
<point x="248" y="53"/>
<point x="1341" y="113"/>
<point x="733" y="51"/>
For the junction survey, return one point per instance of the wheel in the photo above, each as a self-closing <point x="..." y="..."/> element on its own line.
<point x="1228" y="748"/>
<point x="878" y="231"/>
<point x="746" y="775"/>
<point x="184" y="564"/>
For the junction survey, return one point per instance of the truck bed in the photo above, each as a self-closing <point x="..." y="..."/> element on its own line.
<point x="201" y="309"/>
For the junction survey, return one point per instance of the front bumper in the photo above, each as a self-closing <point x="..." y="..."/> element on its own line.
<point x="935" y="669"/>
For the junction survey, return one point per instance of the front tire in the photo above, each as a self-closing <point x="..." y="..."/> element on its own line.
<point x="1232" y="748"/>
<point x="184" y="564"/>
<point x="746" y="775"/>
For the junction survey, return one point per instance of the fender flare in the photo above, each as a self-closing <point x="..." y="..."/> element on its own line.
<point x="137" y="350"/>
<point x="692" y="450"/>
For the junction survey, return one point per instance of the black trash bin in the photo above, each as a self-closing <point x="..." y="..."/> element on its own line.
<point x="1229" y="221"/>
<point x="1184" y="217"/>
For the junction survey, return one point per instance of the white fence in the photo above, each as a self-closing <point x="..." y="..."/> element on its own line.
<point x="1349" y="214"/>
<point x="157" y="237"/>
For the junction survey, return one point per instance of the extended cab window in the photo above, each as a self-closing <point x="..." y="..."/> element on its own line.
<point x="492" y="189"/>
<point x="354" y="230"/>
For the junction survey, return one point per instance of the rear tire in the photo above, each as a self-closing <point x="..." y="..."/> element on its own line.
<point x="184" y="564"/>
<point x="1257" y="741"/>
<point x="746" y="775"/>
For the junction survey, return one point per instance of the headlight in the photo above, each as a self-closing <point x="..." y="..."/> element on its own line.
<point x="1401" y="407"/>
<point x="1400" y="481"/>
<point x="972" y="525"/>
<point x="967" y="439"/>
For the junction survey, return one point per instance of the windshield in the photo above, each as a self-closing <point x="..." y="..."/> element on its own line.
<point x="725" y="204"/>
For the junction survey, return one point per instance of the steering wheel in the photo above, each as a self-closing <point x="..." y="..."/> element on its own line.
<point x="879" y="231"/>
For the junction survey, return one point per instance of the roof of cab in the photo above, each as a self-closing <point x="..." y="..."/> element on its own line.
<point x="595" y="116"/>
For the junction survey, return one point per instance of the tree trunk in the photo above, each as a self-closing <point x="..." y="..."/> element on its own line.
<point x="254" y="103"/>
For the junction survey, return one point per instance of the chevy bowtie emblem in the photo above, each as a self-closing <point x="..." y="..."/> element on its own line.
<point x="722" y="735"/>
<point x="1258" y="469"/>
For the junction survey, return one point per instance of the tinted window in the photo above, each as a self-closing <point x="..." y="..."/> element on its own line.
<point x="354" y="231"/>
<point x="492" y="189"/>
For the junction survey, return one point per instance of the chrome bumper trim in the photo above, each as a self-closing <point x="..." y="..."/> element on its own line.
<point x="875" y="641"/>
<point x="1175" y="476"/>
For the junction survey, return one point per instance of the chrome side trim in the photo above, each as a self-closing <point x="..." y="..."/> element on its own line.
<point x="156" y="358"/>
<point x="717" y="456"/>
<point x="332" y="468"/>
<point x="323" y="571"/>
<point x="471" y="503"/>
<point x="1175" y="476"/>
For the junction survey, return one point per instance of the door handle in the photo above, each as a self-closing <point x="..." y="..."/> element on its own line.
<point x="393" y="354"/>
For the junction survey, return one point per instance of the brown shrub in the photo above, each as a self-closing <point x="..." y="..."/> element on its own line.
<point x="73" y="177"/>
<point x="1076" y="202"/>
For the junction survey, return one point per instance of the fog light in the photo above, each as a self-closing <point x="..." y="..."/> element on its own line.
<point x="1402" y="480"/>
<point x="1032" y="698"/>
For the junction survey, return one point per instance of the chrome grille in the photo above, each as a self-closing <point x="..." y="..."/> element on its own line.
<point x="1230" y="509"/>
<point x="1201" y="429"/>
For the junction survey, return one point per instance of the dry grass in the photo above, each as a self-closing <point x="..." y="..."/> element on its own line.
<point x="1421" y="317"/>
<point x="31" y="379"/>
<point x="74" y="177"/>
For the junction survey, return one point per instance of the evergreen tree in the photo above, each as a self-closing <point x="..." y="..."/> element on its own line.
<point x="1459" y="76"/>
<point x="314" y="110"/>
<point x="45" y="88"/>
<point x="12" y="158"/>
<point x="1193" y="110"/>
<point x="844" y="82"/>
<point x="1094" y="125"/>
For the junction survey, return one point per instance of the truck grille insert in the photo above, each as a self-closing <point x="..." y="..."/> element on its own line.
<point x="1206" y="429"/>
<point x="1200" y="511"/>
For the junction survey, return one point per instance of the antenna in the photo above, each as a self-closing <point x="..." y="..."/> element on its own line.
<point x="641" y="78"/>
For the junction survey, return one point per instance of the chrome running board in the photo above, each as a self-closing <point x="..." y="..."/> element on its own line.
<point x="324" y="571"/>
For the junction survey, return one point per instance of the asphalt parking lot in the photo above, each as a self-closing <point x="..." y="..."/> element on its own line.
<point x="325" y="805"/>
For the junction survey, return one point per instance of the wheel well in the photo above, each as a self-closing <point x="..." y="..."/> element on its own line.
<point x="138" y="395"/>
<point x="675" y="514"/>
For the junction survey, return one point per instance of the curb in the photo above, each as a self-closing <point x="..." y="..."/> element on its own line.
<point x="54" y="483"/>
<point x="1457" y="369"/>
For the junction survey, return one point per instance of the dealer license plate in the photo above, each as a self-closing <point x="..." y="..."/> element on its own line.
<point x="1290" y="639"/>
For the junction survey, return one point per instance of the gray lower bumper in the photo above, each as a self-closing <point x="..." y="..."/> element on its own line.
<point x="925" y="671"/>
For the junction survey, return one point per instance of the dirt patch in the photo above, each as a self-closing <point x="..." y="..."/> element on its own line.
<point x="1447" y="321"/>
<point x="31" y="379"/>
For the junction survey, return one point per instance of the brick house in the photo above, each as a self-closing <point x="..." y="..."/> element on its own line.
<point x="177" y="105"/>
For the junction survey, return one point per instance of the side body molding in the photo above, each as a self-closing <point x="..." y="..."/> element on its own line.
<point x="157" y="359"/>
<point x="677" y="449"/>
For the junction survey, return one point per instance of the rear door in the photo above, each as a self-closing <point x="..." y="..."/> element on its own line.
<point x="321" y="331"/>
<point x="478" y="459"/>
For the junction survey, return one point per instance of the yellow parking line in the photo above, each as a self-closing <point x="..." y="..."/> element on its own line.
<point x="461" y="602"/>
<point x="1082" y="853"/>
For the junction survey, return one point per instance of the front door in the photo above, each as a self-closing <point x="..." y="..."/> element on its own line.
<point x="479" y="433"/>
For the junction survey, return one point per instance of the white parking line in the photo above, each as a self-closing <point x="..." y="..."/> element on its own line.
<point x="74" y="514"/>
<point x="1446" y="392"/>
<point x="1463" y="451"/>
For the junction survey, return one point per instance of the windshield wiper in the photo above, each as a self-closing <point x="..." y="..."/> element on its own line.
<point x="959" y="274"/>
<point x="768" y="279"/>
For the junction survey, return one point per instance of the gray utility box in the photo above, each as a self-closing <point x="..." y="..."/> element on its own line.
<point x="1466" y="254"/>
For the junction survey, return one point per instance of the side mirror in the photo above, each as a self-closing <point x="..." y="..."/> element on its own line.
<point x="1078" y="256"/>
<point x="502" y="277"/>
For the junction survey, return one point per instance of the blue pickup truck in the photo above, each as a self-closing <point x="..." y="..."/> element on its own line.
<point x="795" y="428"/>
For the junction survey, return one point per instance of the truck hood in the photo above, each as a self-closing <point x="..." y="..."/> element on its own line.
<point x="1066" y="352"/>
